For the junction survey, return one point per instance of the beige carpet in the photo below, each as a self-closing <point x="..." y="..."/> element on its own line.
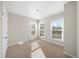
<point x="35" y="49"/>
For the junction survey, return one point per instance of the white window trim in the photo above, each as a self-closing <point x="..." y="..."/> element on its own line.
<point x="40" y="29"/>
<point x="35" y="30"/>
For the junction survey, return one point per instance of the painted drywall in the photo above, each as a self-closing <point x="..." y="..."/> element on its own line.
<point x="0" y="28"/>
<point x="70" y="28"/>
<point x="48" y="21"/>
<point x="4" y="31"/>
<point x="18" y="29"/>
<point x="77" y="29"/>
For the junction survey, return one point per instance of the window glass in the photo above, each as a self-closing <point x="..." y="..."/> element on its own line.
<point x="57" y="28"/>
<point x="41" y="29"/>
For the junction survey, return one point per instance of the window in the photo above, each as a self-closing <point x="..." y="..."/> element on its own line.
<point x="33" y="29"/>
<point x="57" y="32"/>
<point x="41" y="29"/>
<point x="57" y="28"/>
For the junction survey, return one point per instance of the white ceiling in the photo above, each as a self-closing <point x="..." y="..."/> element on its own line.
<point x="28" y="8"/>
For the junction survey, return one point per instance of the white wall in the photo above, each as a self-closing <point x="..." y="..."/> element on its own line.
<point x="48" y="30"/>
<point x="18" y="28"/>
<point x="70" y="28"/>
<point x="78" y="29"/>
<point x="4" y="29"/>
<point x="0" y="29"/>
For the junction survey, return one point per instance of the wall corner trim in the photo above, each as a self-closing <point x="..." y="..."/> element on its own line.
<point x="66" y="53"/>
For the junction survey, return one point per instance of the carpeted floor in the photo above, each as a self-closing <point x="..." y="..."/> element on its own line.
<point x="35" y="49"/>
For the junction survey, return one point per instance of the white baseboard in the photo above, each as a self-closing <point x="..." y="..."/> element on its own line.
<point x="17" y="43"/>
<point x="54" y="42"/>
<point x="20" y="41"/>
<point x="69" y="55"/>
<point x="12" y="44"/>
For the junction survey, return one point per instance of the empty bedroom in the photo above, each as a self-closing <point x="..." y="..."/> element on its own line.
<point x="38" y="29"/>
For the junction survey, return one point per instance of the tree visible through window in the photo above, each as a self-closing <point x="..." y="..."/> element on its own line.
<point x="57" y="28"/>
<point x="41" y="29"/>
